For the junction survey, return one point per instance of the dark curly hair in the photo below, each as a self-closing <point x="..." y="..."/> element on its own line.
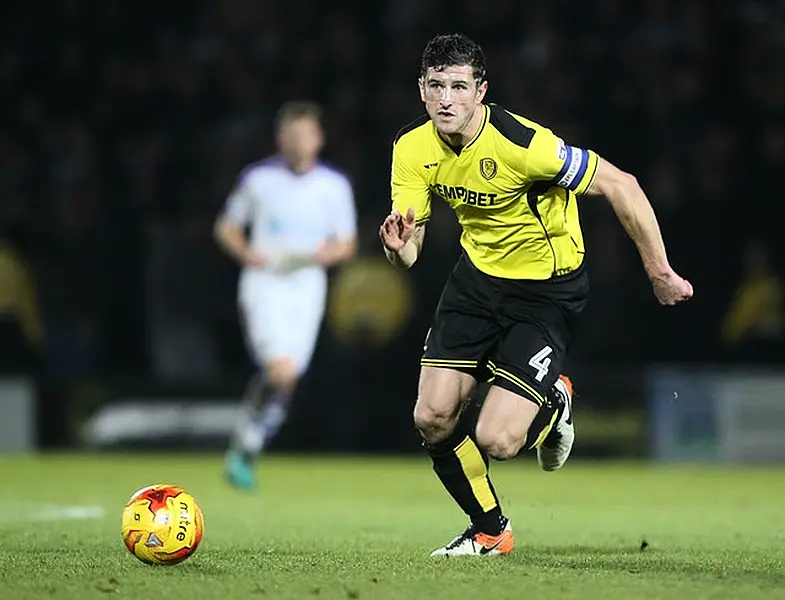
<point x="453" y="50"/>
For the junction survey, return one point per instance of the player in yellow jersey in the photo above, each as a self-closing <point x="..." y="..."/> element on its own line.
<point x="510" y="305"/>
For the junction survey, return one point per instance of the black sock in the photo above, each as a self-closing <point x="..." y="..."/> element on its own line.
<point x="548" y="415"/>
<point x="463" y="470"/>
<point x="257" y="422"/>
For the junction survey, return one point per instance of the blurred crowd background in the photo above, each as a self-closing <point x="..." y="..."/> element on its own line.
<point x="125" y="125"/>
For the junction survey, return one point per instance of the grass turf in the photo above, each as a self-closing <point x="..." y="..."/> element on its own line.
<point x="362" y="528"/>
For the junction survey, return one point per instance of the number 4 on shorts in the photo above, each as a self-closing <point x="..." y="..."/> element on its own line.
<point x="541" y="362"/>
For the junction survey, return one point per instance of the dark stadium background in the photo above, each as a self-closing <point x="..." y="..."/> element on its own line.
<point x="124" y="125"/>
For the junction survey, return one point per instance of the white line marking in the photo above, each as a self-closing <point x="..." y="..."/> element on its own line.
<point x="48" y="512"/>
<point x="69" y="513"/>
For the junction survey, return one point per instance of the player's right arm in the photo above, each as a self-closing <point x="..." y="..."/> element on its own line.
<point x="229" y="230"/>
<point x="403" y="231"/>
<point x="402" y="238"/>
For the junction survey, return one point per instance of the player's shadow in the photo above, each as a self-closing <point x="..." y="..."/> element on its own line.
<point x="650" y="560"/>
<point x="204" y="567"/>
<point x="583" y="550"/>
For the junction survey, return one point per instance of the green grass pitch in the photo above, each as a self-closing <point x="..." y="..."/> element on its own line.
<point x="325" y="527"/>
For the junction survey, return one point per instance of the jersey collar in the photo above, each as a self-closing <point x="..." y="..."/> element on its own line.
<point x="458" y="151"/>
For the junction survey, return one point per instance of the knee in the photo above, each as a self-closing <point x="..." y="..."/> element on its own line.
<point x="282" y="374"/>
<point x="434" y="424"/>
<point x="500" y="444"/>
<point x="441" y="393"/>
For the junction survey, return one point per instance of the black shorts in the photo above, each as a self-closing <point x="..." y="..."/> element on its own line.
<point x="511" y="331"/>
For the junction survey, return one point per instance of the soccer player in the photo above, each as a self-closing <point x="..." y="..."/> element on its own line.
<point x="302" y="219"/>
<point x="510" y="305"/>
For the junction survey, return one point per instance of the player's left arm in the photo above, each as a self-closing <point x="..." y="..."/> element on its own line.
<point x="636" y="215"/>
<point x="341" y="245"/>
<point x="582" y="171"/>
<point x="635" y="212"/>
<point x="336" y="251"/>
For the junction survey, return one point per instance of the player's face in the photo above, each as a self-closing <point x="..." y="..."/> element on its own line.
<point x="451" y="97"/>
<point x="301" y="139"/>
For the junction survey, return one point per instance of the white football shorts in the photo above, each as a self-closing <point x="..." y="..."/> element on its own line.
<point x="281" y="315"/>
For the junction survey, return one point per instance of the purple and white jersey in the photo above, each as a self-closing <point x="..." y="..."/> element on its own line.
<point x="290" y="212"/>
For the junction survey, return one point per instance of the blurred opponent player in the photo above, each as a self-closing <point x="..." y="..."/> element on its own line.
<point x="302" y="219"/>
<point x="510" y="305"/>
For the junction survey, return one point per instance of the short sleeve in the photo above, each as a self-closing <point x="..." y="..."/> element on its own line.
<point x="344" y="211"/>
<point x="239" y="205"/>
<point x="409" y="190"/>
<point x="568" y="167"/>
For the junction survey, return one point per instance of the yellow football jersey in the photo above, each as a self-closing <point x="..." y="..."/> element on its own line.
<point x="513" y="187"/>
